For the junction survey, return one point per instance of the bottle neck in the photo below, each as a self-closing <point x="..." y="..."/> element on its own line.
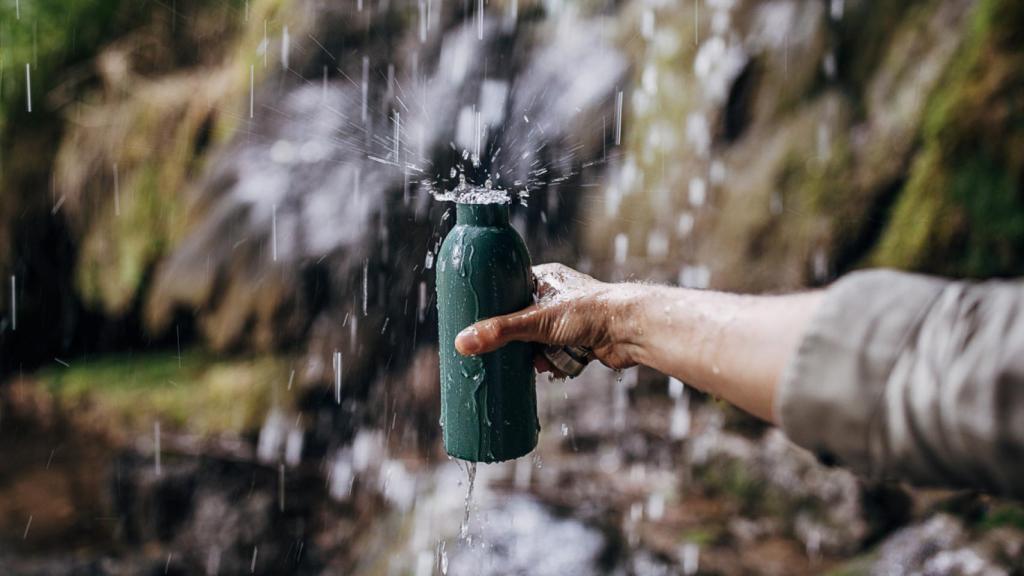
<point x="482" y="214"/>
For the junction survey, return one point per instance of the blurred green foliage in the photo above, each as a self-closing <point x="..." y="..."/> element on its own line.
<point x="194" y="392"/>
<point x="1003" y="514"/>
<point x="962" y="210"/>
<point x="50" y="36"/>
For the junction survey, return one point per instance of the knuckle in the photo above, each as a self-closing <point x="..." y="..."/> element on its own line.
<point x="496" y="329"/>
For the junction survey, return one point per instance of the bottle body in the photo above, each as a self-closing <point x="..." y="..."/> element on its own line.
<point x="488" y="402"/>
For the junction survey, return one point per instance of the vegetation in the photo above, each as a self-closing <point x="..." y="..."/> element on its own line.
<point x="962" y="210"/>
<point x="194" y="393"/>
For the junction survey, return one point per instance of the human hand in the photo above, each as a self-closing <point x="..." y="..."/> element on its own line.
<point x="572" y="309"/>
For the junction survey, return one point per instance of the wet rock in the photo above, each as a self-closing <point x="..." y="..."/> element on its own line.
<point x="911" y="548"/>
<point x="506" y="543"/>
<point x="782" y="489"/>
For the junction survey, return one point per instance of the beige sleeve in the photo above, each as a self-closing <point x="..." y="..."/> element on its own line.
<point x="901" y="376"/>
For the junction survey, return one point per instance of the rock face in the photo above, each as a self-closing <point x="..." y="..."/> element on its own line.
<point x="312" y="227"/>
<point x="258" y="181"/>
<point x="803" y="133"/>
<point x="243" y="198"/>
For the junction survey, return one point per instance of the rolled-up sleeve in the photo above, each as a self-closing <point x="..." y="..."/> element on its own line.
<point x="901" y="376"/>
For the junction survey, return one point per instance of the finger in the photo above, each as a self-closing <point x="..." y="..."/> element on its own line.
<point x="543" y="365"/>
<point x="540" y="362"/>
<point x="493" y="333"/>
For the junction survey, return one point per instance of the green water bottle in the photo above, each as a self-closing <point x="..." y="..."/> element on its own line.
<point x="488" y="402"/>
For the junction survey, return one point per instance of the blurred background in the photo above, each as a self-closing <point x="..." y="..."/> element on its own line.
<point x="218" y="324"/>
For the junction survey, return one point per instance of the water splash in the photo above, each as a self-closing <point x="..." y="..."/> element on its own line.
<point x="464" y="193"/>
<point x="443" y="557"/>
<point x="471" y="480"/>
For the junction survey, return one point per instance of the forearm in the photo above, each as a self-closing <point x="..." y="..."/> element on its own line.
<point x="733" y="347"/>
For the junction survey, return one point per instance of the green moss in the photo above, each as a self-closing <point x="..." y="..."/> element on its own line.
<point x="116" y="256"/>
<point x="858" y="566"/>
<point x="915" y="227"/>
<point x="1006" y="514"/>
<point x="156" y="132"/>
<point x="703" y="537"/>
<point x="49" y="35"/>
<point x="754" y="496"/>
<point x="962" y="210"/>
<point x="194" y="393"/>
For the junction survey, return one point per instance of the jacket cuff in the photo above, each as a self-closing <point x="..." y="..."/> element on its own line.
<point x="831" y="396"/>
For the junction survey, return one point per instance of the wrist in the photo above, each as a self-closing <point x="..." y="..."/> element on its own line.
<point x="629" y="315"/>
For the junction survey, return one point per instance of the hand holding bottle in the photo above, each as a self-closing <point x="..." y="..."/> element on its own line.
<point x="729" y="345"/>
<point x="572" y="309"/>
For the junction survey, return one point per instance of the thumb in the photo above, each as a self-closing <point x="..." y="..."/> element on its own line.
<point x="488" y="335"/>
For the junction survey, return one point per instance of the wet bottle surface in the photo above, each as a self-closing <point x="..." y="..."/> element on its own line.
<point x="488" y="402"/>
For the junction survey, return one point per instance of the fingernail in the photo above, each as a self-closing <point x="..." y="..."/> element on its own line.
<point x="468" y="341"/>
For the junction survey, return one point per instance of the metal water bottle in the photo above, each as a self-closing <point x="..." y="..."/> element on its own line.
<point x="488" y="402"/>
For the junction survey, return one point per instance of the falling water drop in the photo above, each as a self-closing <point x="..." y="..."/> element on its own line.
<point x="444" y="559"/>
<point x="421" y="307"/>
<point x="480" y="20"/>
<point x="366" y="292"/>
<point x="696" y="22"/>
<point x="679" y="427"/>
<point x="252" y="90"/>
<point x="365" y="87"/>
<point x="391" y="81"/>
<point x="285" y="48"/>
<point x="353" y="328"/>
<point x="28" y="86"/>
<point x="156" y="451"/>
<point x="265" y="45"/>
<point x="836" y="9"/>
<point x="620" y="402"/>
<point x="337" y="377"/>
<point x="424" y="21"/>
<point x="478" y="130"/>
<point x="323" y="95"/>
<point x="697" y="192"/>
<point x="618" y="118"/>
<point x="621" y="248"/>
<point x="273" y="232"/>
<point x="471" y="478"/>
<point x="398" y="136"/>
<point x="691" y="558"/>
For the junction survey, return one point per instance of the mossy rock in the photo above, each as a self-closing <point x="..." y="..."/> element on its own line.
<point x="194" y="393"/>
<point x="131" y="154"/>
<point x="1002" y="514"/>
<point x="961" y="212"/>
